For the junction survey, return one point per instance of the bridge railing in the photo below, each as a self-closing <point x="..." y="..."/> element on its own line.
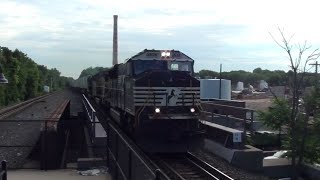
<point x="3" y="172"/>
<point x="124" y="159"/>
<point x="236" y="114"/>
<point x="90" y="114"/>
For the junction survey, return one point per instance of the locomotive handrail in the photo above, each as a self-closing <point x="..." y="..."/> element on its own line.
<point x="139" y="111"/>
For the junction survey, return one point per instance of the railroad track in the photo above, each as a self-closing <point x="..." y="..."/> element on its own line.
<point x="186" y="166"/>
<point x="11" y="110"/>
<point x="182" y="166"/>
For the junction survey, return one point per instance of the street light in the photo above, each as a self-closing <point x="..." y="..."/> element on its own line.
<point x="3" y="80"/>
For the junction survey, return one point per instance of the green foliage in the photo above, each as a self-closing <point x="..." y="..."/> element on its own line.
<point x="274" y="78"/>
<point x="91" y="71"/>
<point x="306" y="130"/>
<point x="264" y="140"/>
<point x="277" y="115"/>
<point x="26" y="78"/>
<point x="309" y="126"/>
<point x="204" y="73"/>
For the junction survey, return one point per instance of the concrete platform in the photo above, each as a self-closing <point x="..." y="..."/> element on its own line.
<point x="63" y="174"/>
<point x="249" y="158"/>
<point x="277" y="168"/>
<point x="87" y="163"/>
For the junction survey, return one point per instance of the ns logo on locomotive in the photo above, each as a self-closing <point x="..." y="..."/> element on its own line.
<point x="155" y="98"/>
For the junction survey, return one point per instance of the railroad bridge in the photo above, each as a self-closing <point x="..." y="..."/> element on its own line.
<point x="67" y="130"/>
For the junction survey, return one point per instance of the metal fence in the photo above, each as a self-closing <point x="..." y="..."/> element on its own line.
<point x="21" y="137"/>
<point x="42" y="144"/>
<point x="229" y="116"/>
<point x="90" y="114"/>
<point x="124" y="159"/>
<point x="3" y="171"/>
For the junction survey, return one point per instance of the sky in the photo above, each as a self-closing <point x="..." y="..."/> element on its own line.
<point x="72" y="35"/>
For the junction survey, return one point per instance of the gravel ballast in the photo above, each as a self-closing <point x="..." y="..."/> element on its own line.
<point x="226" y="167"/>
<point x="26" y="132"/>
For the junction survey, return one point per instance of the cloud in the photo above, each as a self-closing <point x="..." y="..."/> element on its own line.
<point x="78" y="33"/>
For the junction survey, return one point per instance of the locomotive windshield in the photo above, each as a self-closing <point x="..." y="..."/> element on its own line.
<point x="143" y="66"/>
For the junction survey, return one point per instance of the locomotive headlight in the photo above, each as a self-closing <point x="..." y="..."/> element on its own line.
<point x="192" y="110"/>
<point x="157" y="110"/>
<point x="165" y="54"/>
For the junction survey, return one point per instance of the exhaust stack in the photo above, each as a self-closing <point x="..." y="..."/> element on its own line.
<point x="115" y="40"/>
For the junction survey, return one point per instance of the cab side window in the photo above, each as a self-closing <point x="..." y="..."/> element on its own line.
<point x="174" y="67"/>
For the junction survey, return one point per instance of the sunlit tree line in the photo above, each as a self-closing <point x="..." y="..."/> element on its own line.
<point x="26" y="78"/>
<point x="274" y="78"/>
<point x="92" y="71"/>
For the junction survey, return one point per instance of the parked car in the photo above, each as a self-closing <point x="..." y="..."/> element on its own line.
<point x="277" y="155"/>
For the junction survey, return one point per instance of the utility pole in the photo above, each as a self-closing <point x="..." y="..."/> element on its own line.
<point x="316" y="64"/>
<point x="220" y="82"/>
<point x="51" y="84"/>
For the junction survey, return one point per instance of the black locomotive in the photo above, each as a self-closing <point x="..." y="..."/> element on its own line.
<point x="154" y="97"/>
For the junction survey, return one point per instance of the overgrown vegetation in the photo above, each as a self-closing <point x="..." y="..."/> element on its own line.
<point x="277" y="116"/>
<point x="299" y="114"/>
<point x="26" y="78"/>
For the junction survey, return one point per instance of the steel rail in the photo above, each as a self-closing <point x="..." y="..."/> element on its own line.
<point x="209" y="168"/>
<point x="187" y="166"/>
<point x="11" y="110"/>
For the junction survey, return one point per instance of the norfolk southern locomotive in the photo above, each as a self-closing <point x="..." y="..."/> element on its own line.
<point x="154" y="97"/>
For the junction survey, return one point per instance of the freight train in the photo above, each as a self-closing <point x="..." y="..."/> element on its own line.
<point x="153" y="96"/>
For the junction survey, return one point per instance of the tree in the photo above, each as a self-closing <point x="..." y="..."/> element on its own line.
<point x="277" y="78"/>
<point x="26" y="78"/>
<point x="273" y="78"/>
<point x="310" y="139"/>
<point x="257" y="70"/>
<point x="91" y="71"/>
<point x="277" y="116"/>
<point x="299" y="118"/>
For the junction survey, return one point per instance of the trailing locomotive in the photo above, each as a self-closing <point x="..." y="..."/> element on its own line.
<point x="154" y="97"/>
